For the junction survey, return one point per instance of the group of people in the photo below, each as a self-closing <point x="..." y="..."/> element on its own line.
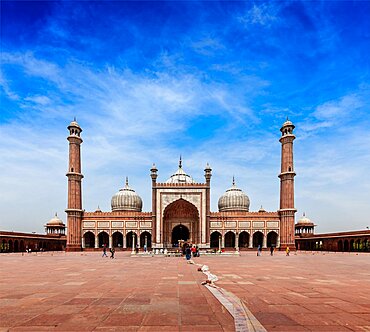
<point x="189" y="250"/>
<point x="112" y="252"/>
<point x="272" y="249"/>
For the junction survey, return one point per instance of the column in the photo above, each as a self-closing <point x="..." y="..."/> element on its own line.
<point x="250" y="241"/>
<point x="264" y="242"/>
<point x="96" y="241"/>
<point x="219" y="243"/>
<point x="83" y="242"/>
<point x="146" y="241"/>
<point x="124" y="245"/>
<point x="110" y="241"/>
<point x="278" y="242"/>
<point x="133" y="243"/>
<point x="236" y="241"/>
<point x="223" y="241"/>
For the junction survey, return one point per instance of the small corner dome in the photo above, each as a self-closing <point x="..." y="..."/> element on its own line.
<point x="234" y="199"/>
<point x="55" y="221"/>
<point x="304" y="220"/>
<point x="180" y="176"/>
<point x="126" y="200"/>
<point x="74" y="124"/>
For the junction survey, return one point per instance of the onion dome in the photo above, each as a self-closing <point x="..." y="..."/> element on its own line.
<point x="261" y="210"/>
<point x="304" y="220"/>
<point x="126" y="200"/>
<point x="55" y="221"/>
<point x="180" y="176"/>
<point x="234" y="199"/>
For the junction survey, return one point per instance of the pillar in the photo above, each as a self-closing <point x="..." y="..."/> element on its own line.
<point x="219" y="243"/>
<point x="264" y="241"/>
<point x="223" y="241"/>
<point x="287" y="174"/>
<point x="74" y="209"/>
<point x="96" y="241"/>
<point x="278" y="241"/>
<point x="133" y="242"/>
<point x="124" y="244"/>
<point x="110" y="241"/>
<point x="237" y="241"/>
<point x="83" y="242"/>
<point x="250" y="241"/>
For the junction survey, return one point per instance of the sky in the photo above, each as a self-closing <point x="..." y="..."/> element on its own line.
<point x="211" y="81"/>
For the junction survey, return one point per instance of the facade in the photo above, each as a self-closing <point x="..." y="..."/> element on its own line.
<point x="180" y="210"/>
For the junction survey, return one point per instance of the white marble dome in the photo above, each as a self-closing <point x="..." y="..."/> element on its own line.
<point x="126" y="200"/>
<point x="55" y="221"/>
<point x="234" y="199"/>
<point x="304" y="220"/>
<point x="180" y="176"/>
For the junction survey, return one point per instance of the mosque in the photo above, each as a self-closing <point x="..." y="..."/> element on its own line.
<point x="180" y="210"/>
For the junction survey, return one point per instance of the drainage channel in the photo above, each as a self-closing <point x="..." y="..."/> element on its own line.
<point x="244" y="320"/>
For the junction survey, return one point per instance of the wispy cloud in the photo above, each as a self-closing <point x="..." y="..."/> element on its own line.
<point x="263" y="14"/>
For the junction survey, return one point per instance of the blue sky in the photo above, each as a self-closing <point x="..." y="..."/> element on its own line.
<point x="212" y="81"/>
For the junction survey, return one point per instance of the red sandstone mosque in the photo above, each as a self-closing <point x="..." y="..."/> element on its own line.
<point x="180" y="210"/>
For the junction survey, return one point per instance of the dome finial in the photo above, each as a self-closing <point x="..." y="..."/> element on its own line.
<point x="180" y="162"/>
<point x="233" y="180"/>
<point x="304" y="214"/>
<point x="56" y="214"/>
<point x="74" y="119"/>
<point x="126" y="181"/>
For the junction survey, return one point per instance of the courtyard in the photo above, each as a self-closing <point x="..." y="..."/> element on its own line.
<point x="85" y="292"/>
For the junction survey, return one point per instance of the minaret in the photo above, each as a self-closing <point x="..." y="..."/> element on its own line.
<point x="154" y="175"/>
<point x="287" y="174"/>
<point x="208" y="175"/>
<point x="74" y="208"/>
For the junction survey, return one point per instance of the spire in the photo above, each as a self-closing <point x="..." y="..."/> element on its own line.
<point x="180" y="162"/>
<point x="126" y="181"/>
<point x="56" y="214"/>
<point x="233" y="180"/>
<point x="74" y="119"/>
<point x="304" y="214"/>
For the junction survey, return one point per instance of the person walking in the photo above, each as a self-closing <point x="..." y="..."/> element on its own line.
<point x="104" y="251"/>
<point x="287" y="250"/>
<point x="259" y="249"/>
<point x="188" y="253"/>
<point x="272" y="250"/>
<point x="112" y="251"/>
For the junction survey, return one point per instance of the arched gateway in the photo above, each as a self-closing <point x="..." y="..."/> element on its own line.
<point x="180" y="222"/>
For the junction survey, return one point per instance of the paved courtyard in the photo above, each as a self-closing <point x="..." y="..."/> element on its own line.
<point x="85" y="292"/>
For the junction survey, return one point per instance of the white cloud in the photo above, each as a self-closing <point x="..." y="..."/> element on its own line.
<point x="264" y="14"/>
<point x="335" y="109"/>
<point x="131" y="120"/>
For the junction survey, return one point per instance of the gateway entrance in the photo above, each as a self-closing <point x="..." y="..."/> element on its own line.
<point x="180" y="232"/>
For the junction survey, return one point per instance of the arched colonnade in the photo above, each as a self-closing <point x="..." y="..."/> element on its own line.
<point x="244" y="240"/>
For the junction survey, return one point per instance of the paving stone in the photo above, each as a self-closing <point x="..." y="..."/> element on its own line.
<point x="302" y="292"/>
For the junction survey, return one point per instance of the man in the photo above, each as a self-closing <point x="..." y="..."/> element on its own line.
<point x="104" y="251"/>
<point x="112" y="251"/>
<point x="272" y="250"/>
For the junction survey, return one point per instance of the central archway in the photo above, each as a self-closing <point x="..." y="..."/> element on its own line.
<point x="180" y="232"/>
<point x="180" y="222"/>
